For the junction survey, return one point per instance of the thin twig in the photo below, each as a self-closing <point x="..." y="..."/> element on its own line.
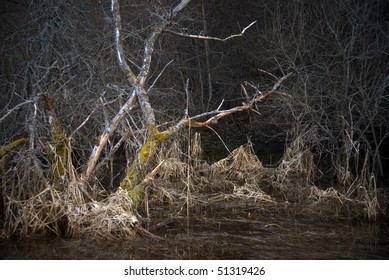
<point x="159" y="75"/>
<point x="221" y="139"/>
<point x="82" y="124"/>
<point x="245" y="93"/>
<point x="15" y="108"/>
<point x="187" y="98"/>
<point x="152" y="174"/>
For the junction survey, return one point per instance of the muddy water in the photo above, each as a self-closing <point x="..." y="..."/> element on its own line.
<point x="225" y="232"/>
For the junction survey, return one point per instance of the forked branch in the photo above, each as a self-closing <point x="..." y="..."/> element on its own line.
<point x="218" y="114"/>
<point x="139" y="94"/>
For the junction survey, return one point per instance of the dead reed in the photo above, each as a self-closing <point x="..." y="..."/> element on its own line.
<point x="33" y="205"/>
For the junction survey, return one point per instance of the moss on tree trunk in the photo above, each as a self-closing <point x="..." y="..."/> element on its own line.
<point x="133" y="182"/>
<point x="59" y="146"/>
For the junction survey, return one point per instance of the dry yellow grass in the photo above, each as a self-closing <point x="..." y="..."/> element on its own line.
<point x="33" y="206"/>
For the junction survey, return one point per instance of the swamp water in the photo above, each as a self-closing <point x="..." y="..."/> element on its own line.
<point x="225" y="231"/>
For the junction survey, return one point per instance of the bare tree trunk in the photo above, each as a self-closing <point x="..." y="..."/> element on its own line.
<point x="139" y="96"/>
<point x="136" y="176"/>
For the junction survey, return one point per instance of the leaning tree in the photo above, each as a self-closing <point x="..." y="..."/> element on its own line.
<point x="63" y="192"/>
<point x="136" y="177"/>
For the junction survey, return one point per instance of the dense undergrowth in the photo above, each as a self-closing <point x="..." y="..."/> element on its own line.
<point x="31" y="206"/>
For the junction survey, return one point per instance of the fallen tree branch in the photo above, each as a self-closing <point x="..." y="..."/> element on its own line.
<point x="218" y="114"/>
<point x="274" y="90"/>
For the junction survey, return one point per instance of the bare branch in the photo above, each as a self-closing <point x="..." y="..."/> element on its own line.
<point x="150" y="42"/>
<point x="221" y="104"/>
<point x="9" y="112"/>
<point x="218" y="114"/>
<point x="119" y="45"/>
<point x="176" y="9"/>
<point x="202" y="37"/>
<point x="82" y="124"/>
<point x="274" y="89"/>
<point x="159" y="75"/>
<point x="152" y="174"/>
<point x="98" y="148"/>
<point x="245" y="93"/>
<point x="113" y="150"/>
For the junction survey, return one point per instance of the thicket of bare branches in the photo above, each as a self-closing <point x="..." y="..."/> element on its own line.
<point x="339" y="53"/>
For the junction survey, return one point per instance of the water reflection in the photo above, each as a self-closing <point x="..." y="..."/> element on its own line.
<point x="238" y="233"/>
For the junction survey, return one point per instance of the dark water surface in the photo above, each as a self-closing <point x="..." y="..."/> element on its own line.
<point x="235" y="233"/>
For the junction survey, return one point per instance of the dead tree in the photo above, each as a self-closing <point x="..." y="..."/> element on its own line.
<point x="136" y="175"/>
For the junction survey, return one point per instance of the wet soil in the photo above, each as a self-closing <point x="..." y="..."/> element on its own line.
<point x="233" y="230"/>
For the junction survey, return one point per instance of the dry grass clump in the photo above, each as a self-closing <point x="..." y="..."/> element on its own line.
<point x="295" y="173"/>
<point x="172" y="170"/>
<point x="297" y="161"/>
<point x="357" y="197"/>
<point x="295" y="176"/>
<point x="252" y="192"/>
<point x="111" y="218"/>
<point x="238" y="176"/>
<point x="30" y="205"/>
<point x="41" y="214"/>
<point x="173" y="167"/>
<point x="241" y="165"/>
<point x="34" y="206"/>
<point x="61" y="213"/>
<point x="319" y="195"/>
<point x="248" y="176"/>
<point x="332" y="202"/>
